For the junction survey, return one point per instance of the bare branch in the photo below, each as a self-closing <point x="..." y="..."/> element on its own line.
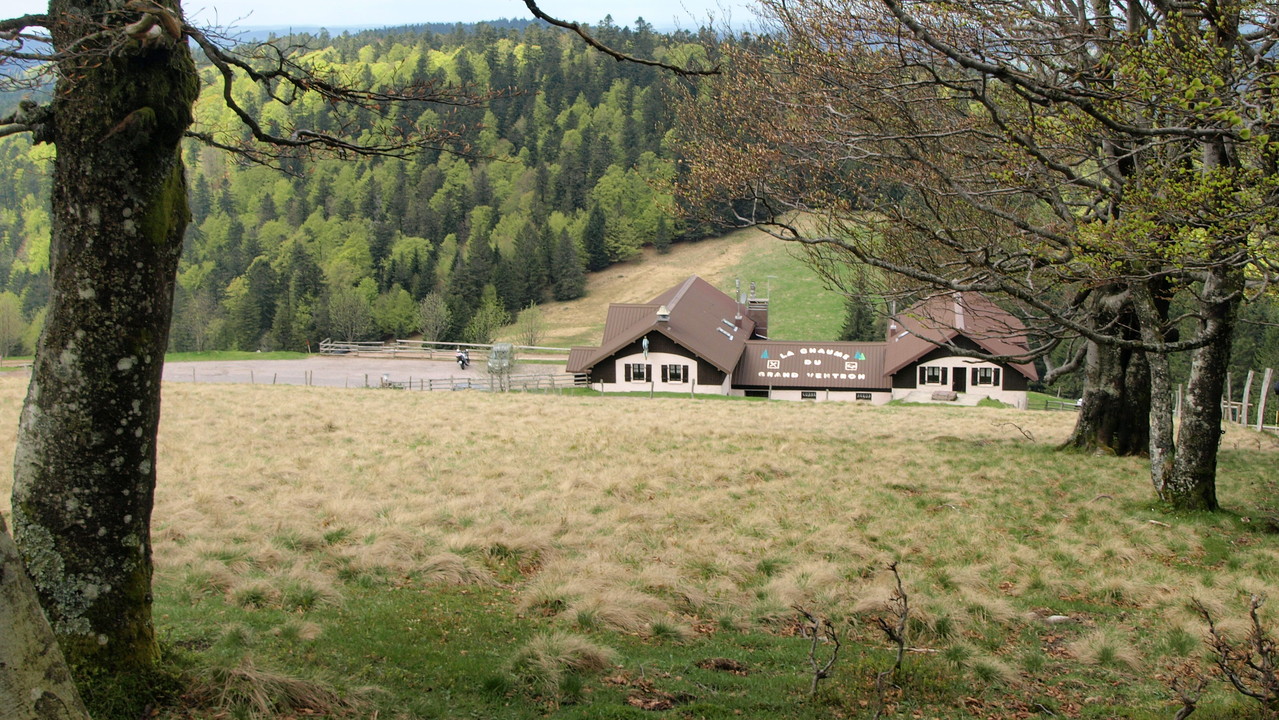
<point x="1250" y="665"/>
<point x="272" y="67"/>
<point x="817" y="629"/>
<point x="615" y="54"/>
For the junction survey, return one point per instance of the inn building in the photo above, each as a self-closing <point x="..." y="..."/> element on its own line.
<point x="693" y="338"/>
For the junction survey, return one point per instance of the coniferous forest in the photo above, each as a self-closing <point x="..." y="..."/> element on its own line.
<point x="560" y="174"/>
<point x="564" y="172"/>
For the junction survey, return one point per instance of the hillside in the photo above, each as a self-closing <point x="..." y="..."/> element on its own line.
<point x="800" y="308"/>
<point x="507" y="556"/>
<point x="564" y="168"/>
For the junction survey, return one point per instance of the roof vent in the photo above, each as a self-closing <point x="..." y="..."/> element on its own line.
<point x="663" y="314"/>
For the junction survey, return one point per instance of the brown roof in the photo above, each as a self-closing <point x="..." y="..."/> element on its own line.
<point x="702" y="319"/>
<point x="941" y="319"/>
<point x="778" y="363"/>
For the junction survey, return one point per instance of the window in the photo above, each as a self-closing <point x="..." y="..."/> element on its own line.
<point x="932" y="376"/>
<point x="986" y="376"/>
<point x="808" y="395"/>
<point x="675" y="373"/>
<point x="638" y="372"/>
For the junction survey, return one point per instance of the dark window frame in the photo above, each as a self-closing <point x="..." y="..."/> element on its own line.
<point x="638" y="372"/>
<point x="940" y="372"/>
<point x="675" y="373"/>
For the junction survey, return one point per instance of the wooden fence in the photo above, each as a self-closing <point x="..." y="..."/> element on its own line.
<point x="420" y="349"/>
<point x="499" y="383"/>
<point x="1250" y="409"/>
<point x="1061" y="405"/>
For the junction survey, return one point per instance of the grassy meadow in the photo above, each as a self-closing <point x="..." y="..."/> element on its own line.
<point x="800" y="308"/>
<point x="369" y="553"/>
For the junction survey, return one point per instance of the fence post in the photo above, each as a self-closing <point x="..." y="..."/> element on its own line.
<point x="1261" y="403"/>
<point x="274" y="377"/>
<point x="1230" y="399"/>
<point x="251" y="380"/>
<point x="1247" y="398"/>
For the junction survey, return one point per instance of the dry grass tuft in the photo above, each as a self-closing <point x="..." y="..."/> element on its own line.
<point x="453" y="569"/>
<point x="249" y="691"/>
<point x="1108" y="648"/>
<point x="547" y="662"/>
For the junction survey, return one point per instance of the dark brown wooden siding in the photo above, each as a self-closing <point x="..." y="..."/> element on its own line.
<point x="708" y="374"/>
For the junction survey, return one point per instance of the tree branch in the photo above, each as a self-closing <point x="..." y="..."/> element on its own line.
<point x="615" y="54"/>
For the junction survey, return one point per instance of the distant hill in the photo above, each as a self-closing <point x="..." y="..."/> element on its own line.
<point x="258" y="33"/>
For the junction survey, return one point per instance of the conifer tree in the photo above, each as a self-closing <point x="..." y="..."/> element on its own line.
<point x="595" y="242"/>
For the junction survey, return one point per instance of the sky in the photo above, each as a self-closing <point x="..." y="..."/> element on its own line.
<point x="665" y="14"/>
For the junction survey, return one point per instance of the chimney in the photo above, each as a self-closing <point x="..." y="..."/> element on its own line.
<point x="663" y="314"/>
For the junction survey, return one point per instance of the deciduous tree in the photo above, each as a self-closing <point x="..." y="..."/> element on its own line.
<point x="1088" y="163"/>
<point x="12" y="326"/>
<point x="84" y="469"/>
<point x="435" y="317"/>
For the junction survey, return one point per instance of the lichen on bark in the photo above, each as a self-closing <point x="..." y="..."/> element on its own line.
<point x="84" y="471"/>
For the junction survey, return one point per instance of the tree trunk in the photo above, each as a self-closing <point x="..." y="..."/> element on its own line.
<point x="1192" y="484"/>
<point x="84" y="469"/>
<point x="1114" y="416"/>
<point x="34" y="680"/>
<point x="1152" y="316"/>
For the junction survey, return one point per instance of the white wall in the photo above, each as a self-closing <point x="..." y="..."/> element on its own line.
<point x="1016" y="398"/>
<point x="657" y="360"/>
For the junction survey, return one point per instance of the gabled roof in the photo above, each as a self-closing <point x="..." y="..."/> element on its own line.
<point x="942" y="319"/>
<point x="702" y="319"/>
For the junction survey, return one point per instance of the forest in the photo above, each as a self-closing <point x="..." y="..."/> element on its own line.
<point x="563" y="172"/>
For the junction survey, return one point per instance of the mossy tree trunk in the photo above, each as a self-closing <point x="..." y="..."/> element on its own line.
<point x="1114" y="416"/>
<point x="1192" y="483"/>
<point x="84" y="469"/>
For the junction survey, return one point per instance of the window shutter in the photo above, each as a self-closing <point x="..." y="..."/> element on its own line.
<point x="974" y="382"/>
<point x="684" y="377"/>
<point x="997" y="378"/>
<point x="666" y="376"/>
<point x="648" y="372"/>
<point x="943" y="376"/>
<point x="922" y="376"/>
<point x="628" y="372"/>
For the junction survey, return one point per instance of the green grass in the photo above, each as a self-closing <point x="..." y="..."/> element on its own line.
<point x="225" y="355"/>
<point x="446" y="652"/>
<point x="800" y="307"/>
<point x="1039" y="400"/>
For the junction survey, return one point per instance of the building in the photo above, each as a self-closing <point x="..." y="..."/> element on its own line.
<point x="694" y="338"/>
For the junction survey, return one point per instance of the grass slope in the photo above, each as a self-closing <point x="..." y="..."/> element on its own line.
<point x="525" y="556"/>
<point x="800" y="308"/>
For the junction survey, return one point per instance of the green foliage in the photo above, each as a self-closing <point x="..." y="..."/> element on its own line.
<point x="12" y="327"/>
<point x="487" y="319"/>
<point x="587" y="132"/>
<point x="861" y="322"/>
